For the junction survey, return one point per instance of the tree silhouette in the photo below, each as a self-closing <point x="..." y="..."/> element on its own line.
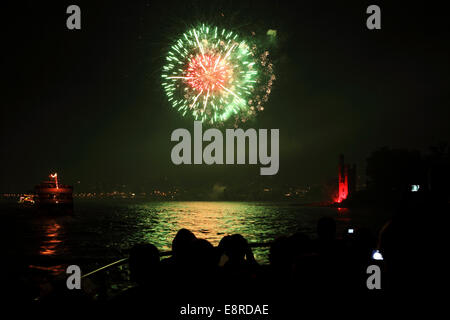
<point x="392" y="170"/>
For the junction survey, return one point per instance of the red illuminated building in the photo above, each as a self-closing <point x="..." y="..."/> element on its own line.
<point x="346" y="180"/>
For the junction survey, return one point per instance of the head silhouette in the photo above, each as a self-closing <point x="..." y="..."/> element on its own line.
<point x="280" y="254"/>
<point x="235" y="247"/>
<point x="181" y="243"/>
<point x="326" y="229"/>
<point x="144" y="263"/>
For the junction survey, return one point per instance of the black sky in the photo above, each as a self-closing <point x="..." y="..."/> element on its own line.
<point x="89" y="103"/>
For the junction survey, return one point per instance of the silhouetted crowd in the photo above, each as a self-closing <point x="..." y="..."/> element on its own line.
<point x="324" y="267"/>
<point x="326" y="273"/>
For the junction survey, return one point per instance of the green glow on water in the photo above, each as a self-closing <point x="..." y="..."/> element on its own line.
<point x="257" y="222"/>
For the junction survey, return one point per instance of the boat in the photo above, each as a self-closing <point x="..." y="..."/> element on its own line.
<point x="27" y="199"/>
<point x="54" y="197"/>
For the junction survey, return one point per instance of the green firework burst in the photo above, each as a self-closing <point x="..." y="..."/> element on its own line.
<point x="213" y="75"/>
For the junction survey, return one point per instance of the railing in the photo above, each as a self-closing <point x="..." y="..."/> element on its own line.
<point x="162" y="254"/>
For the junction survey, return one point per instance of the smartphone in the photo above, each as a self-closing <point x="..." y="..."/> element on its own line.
<point x="350" y="230"/>
<point x="376" y="255"/>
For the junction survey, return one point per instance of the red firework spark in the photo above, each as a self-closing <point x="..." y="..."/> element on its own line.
<point x="208" y="73"/>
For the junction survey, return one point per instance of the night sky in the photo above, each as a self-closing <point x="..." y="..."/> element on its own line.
<point x="89" y="103"/>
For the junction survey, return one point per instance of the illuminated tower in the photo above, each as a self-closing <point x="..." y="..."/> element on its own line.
<point x="346" y="180"/>
<point x="343" y="180"/>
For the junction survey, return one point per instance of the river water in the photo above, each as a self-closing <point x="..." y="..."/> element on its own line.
<point x="100" y="232"/>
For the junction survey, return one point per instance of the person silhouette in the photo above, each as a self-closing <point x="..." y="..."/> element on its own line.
<point x="143" y="263"/>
